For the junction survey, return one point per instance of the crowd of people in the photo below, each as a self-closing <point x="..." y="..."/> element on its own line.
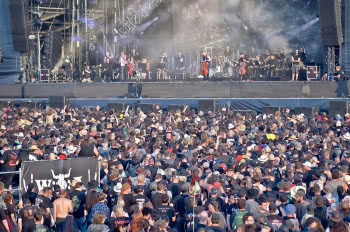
<point x="181" y="171"/>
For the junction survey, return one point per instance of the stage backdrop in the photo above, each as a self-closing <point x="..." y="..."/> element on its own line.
<point x="60" y="172"/>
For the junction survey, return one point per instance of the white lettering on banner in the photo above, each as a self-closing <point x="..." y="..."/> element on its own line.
<point x="61" y="179"/>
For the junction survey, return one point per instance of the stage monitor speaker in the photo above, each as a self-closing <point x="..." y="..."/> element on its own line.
<point x="58" y="101"/>
<point x="307" y="111"/>
<point x="117" y="107"/>
<point x="18" y="25"/>
<point x="146" y="108"/>
<point x="206" y="105"/>
<point x="271" y="109"/>
<point x="331" y="22"/>
<point x="338" y="107"/>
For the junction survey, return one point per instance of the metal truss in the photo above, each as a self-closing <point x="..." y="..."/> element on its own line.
<point x="135" y="16"/>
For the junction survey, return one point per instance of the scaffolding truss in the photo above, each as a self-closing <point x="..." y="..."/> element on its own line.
<point x="136" y="15"/>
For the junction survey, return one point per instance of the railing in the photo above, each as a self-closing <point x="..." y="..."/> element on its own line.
<point x="19" y="189"/>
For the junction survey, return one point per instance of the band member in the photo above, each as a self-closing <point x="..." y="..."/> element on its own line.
<point x="228" y="54"/>
<point x="339" y="74"/>
<point x="163" y="66"/>
<point x="123" y="62"/>
<point x="179" y="62"/>
<point x="271" y="66"/>
<point x="258" y="67"/>
<point x="205" y="64"/>
<point x="86" y="74"/>
<point x="107" y="66"/>
<point x="131" y="67"/>
<point x="67" y="66"/>
<point x="135" y="55"/>
<point x="243" y="67"/>
<point x="296" y="60"/>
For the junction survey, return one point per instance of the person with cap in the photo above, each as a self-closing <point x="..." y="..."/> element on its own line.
<point x="214" y="197"/>
<point x="290" y="211"/>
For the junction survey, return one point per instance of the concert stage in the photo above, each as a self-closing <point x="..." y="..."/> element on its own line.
<point x="224" y="89"/>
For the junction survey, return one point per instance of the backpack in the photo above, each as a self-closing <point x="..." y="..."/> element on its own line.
<point x="238" y="218"/>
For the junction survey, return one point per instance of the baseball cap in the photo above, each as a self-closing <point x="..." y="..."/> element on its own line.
<point x="290" y="209"/>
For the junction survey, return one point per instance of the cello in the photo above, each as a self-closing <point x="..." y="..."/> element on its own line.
<point x="204" y="65"/>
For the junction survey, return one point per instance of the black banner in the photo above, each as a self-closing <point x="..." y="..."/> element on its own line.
<point x="59" y="172"/>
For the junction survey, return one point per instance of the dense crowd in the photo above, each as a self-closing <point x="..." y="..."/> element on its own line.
<point x="180" y="171"/>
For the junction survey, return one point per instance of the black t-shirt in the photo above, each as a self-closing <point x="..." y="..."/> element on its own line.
<point x="78" y="201"/>
<point x="10" y="159"/>
<point x="42" y="202"/>
<point x="118" y="222"/>
<point x="28" y="225"/>
<point x="157" y="199"/>
<point x="30" y="207"/>
<point x="129" y="200"/>
<point x="296" y="57"/>
<point x="216" y="228"/>
<point x="2" y="217"/>
<point x="87" y="150"/>
<point x="166" y="210"/>
<point x="275" y="220"/>
<point x="141" y="200"/>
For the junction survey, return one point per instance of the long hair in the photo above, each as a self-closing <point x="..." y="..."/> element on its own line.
<point x="91" y="199"/>
<point x="137" y="221"/>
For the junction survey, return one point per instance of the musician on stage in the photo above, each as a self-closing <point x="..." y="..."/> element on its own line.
<point x="107" y="66"/>
<point x="163" y="66"/>
<point x="67" y="66"/>
<point x="179" y="61"/>
<point x="86" y="74"/>
<point x="123" y="62"/>
<point x="228" y="54"/>
<point x="205" y="64"/>
<point x="135" y="56"/>
<point x="258" y="67"/>
<point x="296" y="62"/>
<point x="243" y="67"/>
<point x="271" y="66"/>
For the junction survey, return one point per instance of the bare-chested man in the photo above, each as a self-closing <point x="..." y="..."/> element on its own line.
<point x="61" y="208"/>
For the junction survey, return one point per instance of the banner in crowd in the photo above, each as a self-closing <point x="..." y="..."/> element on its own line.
<point x="59" y="172"/>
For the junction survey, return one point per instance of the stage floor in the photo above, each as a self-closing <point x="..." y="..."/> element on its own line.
<point x="181" y="89"/>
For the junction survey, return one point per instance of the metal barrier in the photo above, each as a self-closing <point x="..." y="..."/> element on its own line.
<point x="20" y="188"/>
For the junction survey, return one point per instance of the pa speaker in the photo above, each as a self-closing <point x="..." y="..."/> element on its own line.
<point x="18" y="25"/>
<point x="118" y="107"/>
<point x="206" y="105"/>
<point x="331" y="22"/>
<point x="58" y="101"/>
<point x="271" y="109"/>
<point x="308" y="111"/>
<point x="338" y="107"/>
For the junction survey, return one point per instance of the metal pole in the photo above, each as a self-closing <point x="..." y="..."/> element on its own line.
<point x="86" y="31"/>
<point x="20" y="184"/>
<point x="39" y="57"/>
